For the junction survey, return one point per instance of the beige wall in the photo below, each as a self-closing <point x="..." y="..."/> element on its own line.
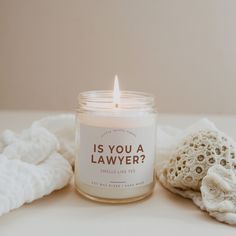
<point x="184" y="51"/>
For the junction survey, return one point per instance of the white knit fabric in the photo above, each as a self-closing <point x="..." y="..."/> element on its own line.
<point x="200" y="163"/>
<point x="35" y="162"/>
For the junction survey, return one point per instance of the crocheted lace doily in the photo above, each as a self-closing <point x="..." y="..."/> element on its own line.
<point x="202" y="167"/>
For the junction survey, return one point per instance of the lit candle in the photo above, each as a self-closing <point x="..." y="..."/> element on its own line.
<point x="116" y="92"/>
<point x="115" y="145"/>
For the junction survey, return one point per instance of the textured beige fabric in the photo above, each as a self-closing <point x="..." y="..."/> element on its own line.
<point x="200" y="164"/>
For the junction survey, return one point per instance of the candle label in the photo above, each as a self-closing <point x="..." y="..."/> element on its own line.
<point x="116" y="157"/>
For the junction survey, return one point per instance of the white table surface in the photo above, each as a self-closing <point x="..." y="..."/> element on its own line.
<point x="66" y="213"/>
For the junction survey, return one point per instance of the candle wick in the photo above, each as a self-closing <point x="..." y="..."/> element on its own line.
<point x="116" y="105"/>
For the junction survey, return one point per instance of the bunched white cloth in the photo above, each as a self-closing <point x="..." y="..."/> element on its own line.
<point x="35" y="162"/>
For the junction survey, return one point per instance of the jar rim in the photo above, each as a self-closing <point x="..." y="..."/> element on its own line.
<point x="102" y="100"/>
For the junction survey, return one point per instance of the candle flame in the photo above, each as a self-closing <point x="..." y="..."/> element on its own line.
<point x="116" y="92"/>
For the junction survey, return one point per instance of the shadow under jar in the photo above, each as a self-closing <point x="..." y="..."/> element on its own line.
<point x="115" y="146"/>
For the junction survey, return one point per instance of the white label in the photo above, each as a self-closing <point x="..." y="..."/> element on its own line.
<point x="116" y="157"/>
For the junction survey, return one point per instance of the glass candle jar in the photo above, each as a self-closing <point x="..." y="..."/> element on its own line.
<point x="115" y="154"/>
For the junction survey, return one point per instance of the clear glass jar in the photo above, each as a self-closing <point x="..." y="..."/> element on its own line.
<point x="115" y="146"/>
